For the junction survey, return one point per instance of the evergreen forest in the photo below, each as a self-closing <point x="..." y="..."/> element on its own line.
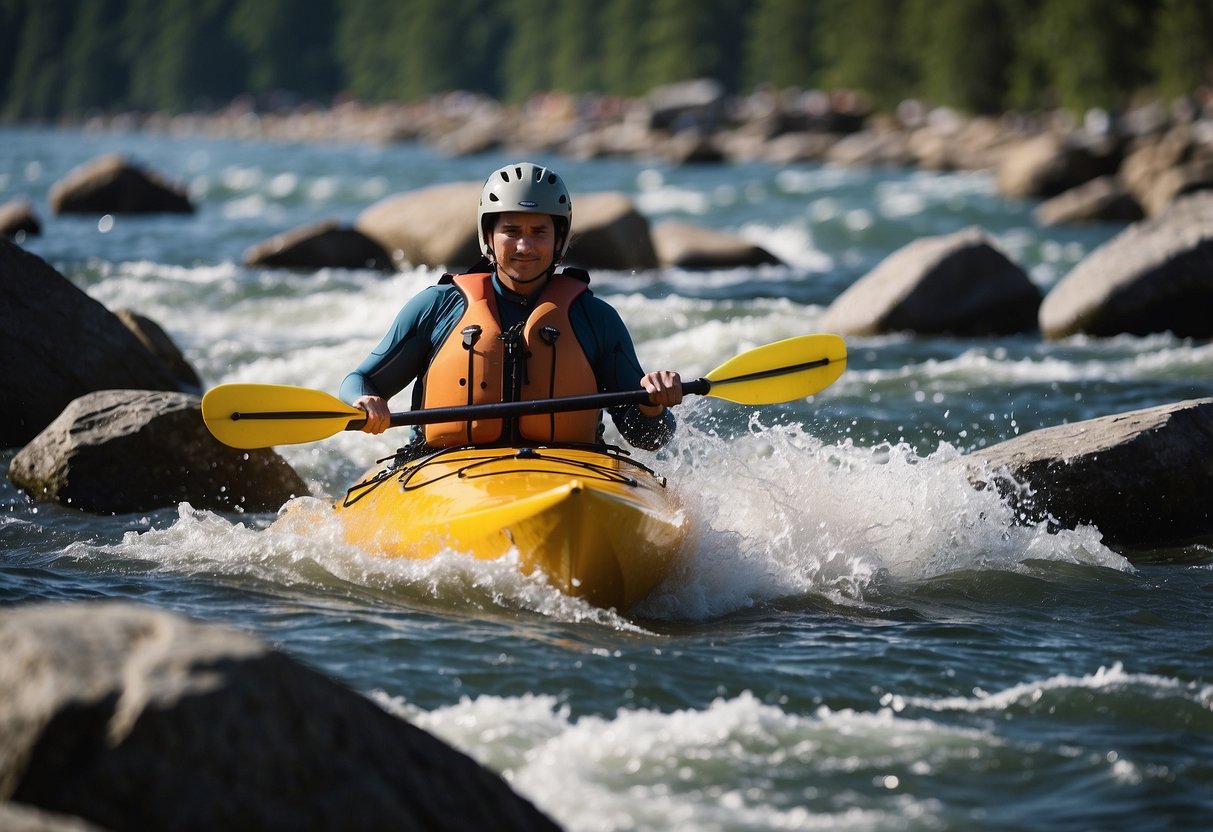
<point x="67" y="58"/>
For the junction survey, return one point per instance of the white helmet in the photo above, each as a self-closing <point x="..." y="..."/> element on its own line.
<point x="525" y="186"/>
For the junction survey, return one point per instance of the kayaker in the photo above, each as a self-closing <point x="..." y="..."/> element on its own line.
<point x="520" y="330"/>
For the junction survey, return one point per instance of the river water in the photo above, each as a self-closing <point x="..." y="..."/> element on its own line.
<point x="855" y="638"/>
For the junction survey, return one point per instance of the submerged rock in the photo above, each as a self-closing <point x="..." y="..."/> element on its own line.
<point x="320" y="245"/>
<point x="112" y="185"/>
<point x="17" y="219"/>
<point x="609" y="233"/>
<point x="118" y="451"/>
<point x="1155" y="276"/>
<point x="134" y="718"/>
<point x="957" y="284"/>
<point x="433" y="226"/>
<point x="690" y="246"/>
<point x="1143" y="478"/>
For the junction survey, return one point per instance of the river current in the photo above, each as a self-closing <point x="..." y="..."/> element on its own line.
<point x="855" y="638"/>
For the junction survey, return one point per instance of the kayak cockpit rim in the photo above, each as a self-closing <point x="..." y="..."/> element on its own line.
<point x="406" y="469"/>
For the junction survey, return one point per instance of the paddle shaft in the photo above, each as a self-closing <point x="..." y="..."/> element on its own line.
<point x="501" y="410"/>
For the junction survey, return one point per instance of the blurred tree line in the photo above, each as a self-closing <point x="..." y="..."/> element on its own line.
<point x="62" y="57"/>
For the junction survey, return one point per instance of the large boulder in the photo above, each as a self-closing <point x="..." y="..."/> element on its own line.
<point x="320" y="245"/>
<point x="1143" y="478"/>
<point x="119" y="451"/>
<point x="58" y="345"/>
<point x="1155" y="276"/>
<point x="688" y="246"/>
<point x="699" y="105"/>
<point x="610" y="233"/>
<point x="156" y="341"/>
<point x="1050" y="163"/>
<point x="17" y="219"/>
<point x="433" y="226"/>
<point x="132" y="718"/>
<point x="1103" y="199"/>
<point x="1169" y="165"/>
<point x="957" y="284"/>
<point x="112" y="185"/>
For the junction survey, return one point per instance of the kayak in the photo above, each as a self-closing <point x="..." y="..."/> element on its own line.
<point x="596" y="523"/>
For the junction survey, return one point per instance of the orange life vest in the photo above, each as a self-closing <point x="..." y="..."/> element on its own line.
<point x="473" y="366"/>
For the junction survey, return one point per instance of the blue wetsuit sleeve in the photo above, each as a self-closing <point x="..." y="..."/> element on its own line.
<point x="609" y="347"/>
<point x="404" y="352"/>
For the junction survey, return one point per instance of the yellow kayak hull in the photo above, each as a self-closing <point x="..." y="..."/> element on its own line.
<point x="598" y="525"/>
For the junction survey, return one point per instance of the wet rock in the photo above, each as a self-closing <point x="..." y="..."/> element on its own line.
<point x="1103" y="199"/>
<point x="320" y="245"/>
<point x="159" y="344"/>
<point x="112" y="185"/>
<point x="119" y="451"/>
<point x="609" y="233"/>
<point x="698" y="104"/>
<point x="690" y="246"/>
<point x="17" y="217"/>
<point x="133" y="718"/>
<point x="958" y="284"/>
<point x="1051" y="163"/>
<point x="1164" y="167"/>
<point x="15" y="817"/>
<point x="433" y="226"/>
<point x="1155" y="276"/>
<point x="1143" y="478"/>
<point x="60" y="344"/>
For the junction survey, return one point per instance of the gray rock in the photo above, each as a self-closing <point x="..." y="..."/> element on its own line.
<point x="15" y="817"/>
<point x="690" y="246"/>
<point x="60" y="344"/>
<point x="156" y="341"/>
<point x="609" y="233"/>
<point x="1050" y="164"/>
<point x="320" y="245"/>
<point x="133" y="719"/>
<point x="433" y="226"/>
<point x="119" y="451"/>
<point x="112" y="185"/>
<point x="958" y="284"/>
<point x="1143" y="478"/>
<point x="1155" y="276"/>
<point x="1103" y="199"/>
<point x="17" y="217"/>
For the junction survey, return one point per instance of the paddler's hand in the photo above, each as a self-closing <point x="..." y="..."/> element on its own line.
<point x="378" y="415"/>
<point x="665" y="390"/>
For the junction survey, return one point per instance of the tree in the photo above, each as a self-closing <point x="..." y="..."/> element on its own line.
<point x="527" y="63"/>
<point x="34" y="89"/>
<point x="961" y="50"/>
<point x="864" y="49"/>
<point x="576" y="48"/>
<point x="688" y="39"/>
<point x="781" y="44"/>
<point x="1088" y="53"/>
<point x="1182" y="51"/>
<point x="623" y="47"/>
<point x="288" y="45"/>
<point x="95" y="76"/>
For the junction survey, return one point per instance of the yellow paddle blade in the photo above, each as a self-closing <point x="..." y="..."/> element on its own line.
<point x="261" y="415"/>
<point x="780" y="372"/>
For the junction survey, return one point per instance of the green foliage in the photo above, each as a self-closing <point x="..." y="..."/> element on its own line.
<point x="1182" y="51"/>
<point x="71" y="56"/>
<point x="780" y="47"/>
<point x="960" y="50"/>
<point x="864" y="49"/>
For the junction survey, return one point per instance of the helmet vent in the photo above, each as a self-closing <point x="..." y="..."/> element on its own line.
<point x="494" y="198"/>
